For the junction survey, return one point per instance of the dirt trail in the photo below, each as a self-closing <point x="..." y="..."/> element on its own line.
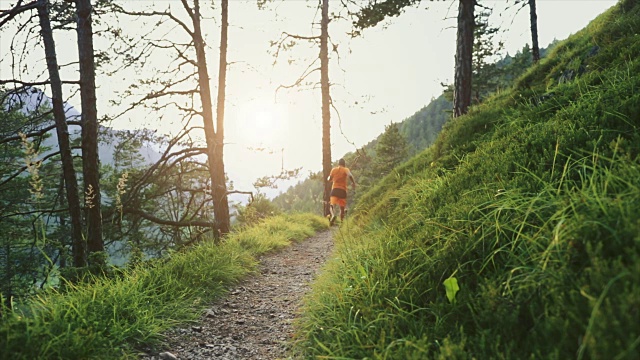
<point x="254" y="320"/>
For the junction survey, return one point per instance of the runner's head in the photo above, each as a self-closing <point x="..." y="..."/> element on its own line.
<point x="341" y="162"/>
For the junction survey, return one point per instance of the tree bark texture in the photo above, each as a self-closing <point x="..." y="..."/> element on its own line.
<point x="464" y="57"/>
<point x="222" y="73"/>
<point x="214" y="137"/>
<point x="62" y="251"/>
<point x="219" y="192"/>
<point x="90" y="160"/>
<point x="326" y="103"/>
<point x="79" y="247"/>
<point x="535" y="49"/>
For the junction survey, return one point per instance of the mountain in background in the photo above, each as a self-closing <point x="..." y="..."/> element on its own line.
<point x="34" y="101"/>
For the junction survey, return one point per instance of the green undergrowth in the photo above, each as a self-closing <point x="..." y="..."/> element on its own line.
<point x="531" y="203"/>
<point x="278" y="232"/>
<point x="109" y="318"/>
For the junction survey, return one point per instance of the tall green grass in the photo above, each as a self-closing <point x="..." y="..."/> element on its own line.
<point x="531" y="203"/>
<point x="110" y="317"/>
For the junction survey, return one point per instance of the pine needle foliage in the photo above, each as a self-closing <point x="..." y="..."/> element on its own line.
<point x="531" y="201"/>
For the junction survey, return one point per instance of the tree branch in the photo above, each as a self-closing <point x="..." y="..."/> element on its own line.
<point x="159" y="221"/>
<point x="299" y="37"/>
<point x="300" y="79"/>
<point x="158" y="13"/>
<point x="250" y="193"/>
<point x="23" y="83"/>
<point x="37" y="133"/>
<point x="18" y="9"/>
<point x="31" y="212"/>
<point x="16" y="174"/>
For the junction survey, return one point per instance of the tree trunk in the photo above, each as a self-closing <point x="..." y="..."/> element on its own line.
<point x="90" y="160"/>
<point x="464" y="57"/>
<point x="214" y="137"/>
<point x="62" y="251"/>
<point x="7" y="284"/>
<point x="219" y="191"/>
<point x="326" y="103"/>
<point x="68" y="172"/>
<point x="535" y="49"/>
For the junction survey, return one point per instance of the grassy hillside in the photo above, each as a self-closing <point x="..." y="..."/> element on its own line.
<point x="529" y="206"/>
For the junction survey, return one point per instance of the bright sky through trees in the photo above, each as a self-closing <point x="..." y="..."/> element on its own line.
<point x="385" y="75"/>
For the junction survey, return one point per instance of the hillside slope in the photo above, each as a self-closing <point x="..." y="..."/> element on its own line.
<point x="420" y="131"/>
<point x="528" y="209"/>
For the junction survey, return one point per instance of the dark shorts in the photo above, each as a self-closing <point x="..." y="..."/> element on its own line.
<point x="339" y="193"/>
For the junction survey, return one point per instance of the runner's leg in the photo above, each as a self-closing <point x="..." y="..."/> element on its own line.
<point x="332" y="219"/>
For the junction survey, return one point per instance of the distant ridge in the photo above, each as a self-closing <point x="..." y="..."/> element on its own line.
<point x="34" y="101"/>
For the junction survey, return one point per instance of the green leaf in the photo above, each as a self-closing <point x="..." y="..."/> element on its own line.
<point x="452" y="288"/>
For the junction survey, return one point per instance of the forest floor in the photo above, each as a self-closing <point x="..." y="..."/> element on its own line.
<point x="254" y="320"/>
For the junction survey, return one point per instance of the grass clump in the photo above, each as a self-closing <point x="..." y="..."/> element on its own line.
<point x="110" y="317"/>
<point x="532" y="205"/>
<point x="278" y="232"/>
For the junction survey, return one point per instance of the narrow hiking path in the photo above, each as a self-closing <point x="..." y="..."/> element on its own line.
<point x="254" y="320"/>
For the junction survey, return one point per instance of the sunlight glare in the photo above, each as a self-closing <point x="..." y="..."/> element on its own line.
<point x="262" y="123"/>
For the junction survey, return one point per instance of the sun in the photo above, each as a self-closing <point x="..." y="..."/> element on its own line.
<point x="261" y="124"/>
<point x="264" y="120"/>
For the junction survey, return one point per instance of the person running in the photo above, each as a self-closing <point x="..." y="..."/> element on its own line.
<point x="339" y="176"/>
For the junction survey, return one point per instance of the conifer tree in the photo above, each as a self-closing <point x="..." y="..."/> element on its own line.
<point x="391" y="150"/>
<point x="485" y="71"/>
<point x="326" y="103"/>
<point x="69" y="175"/>
<point x="90" y="157"/>
<point x="534" y="31"/>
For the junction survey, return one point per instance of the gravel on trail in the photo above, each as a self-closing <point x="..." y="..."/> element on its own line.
<point x="254" y="320"/>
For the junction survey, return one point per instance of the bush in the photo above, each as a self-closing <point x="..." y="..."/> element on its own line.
<point x="258" y="209"/>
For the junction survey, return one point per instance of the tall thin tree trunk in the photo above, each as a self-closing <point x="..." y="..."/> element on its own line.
<point x="535" y="49"/>
<point x="326" y="103"/>
<point x="464" y="57"/>
<point x="79" y="247"/>
<point x="90" y="160"/>
<point x="214" y="137"/>
<point x="7" y="284"/>
<point x="62" y="251"/>
<point x="221" y="204"/>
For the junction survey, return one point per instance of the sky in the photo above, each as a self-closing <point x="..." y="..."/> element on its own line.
<point x="383" y="76"/>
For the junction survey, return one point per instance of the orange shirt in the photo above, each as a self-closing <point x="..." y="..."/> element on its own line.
<point x="339" y="175"/>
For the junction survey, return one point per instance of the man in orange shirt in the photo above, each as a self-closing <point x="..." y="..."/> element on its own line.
<point x="339" y="176"/>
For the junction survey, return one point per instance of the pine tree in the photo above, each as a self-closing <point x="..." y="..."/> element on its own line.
<point x="486" y="73"/>
<point x="326" y="104"/>
<point x="391" y="150"/>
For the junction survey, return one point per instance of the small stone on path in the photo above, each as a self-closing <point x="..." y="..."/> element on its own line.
<point x="167" y="356"/>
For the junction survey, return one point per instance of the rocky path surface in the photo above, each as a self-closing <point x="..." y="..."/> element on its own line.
<point x="254" y="320"/>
